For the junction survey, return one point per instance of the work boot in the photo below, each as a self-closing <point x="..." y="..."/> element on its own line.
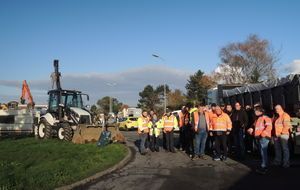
<point x="224" y="158"/>
<point x="286" y="166"/>
<point x="275" y="163"/>
<point x="193" y="157"/>
<point x="202" y="157"/>
<point x="262" y="170"/>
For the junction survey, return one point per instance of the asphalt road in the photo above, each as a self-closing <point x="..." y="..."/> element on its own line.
<point x="161" y="170"/>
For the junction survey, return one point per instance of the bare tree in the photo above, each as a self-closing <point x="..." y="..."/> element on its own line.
<point x="250" y="61"/>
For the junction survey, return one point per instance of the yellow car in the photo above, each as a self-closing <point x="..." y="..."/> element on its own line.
<point x="128" y="123"/>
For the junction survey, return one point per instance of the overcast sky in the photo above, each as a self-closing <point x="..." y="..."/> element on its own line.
<point x="106" y="41"/>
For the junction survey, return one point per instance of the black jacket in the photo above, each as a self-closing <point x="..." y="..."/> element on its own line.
<point x="239" y="119"/>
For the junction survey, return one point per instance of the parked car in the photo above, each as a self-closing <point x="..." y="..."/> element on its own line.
<point x="128" y="123"/>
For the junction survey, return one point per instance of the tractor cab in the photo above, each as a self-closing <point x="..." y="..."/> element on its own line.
<point x="69" y="103"/>
<point x="66" y="99"/>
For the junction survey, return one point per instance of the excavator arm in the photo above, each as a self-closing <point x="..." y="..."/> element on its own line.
<point x="26" y="94"/>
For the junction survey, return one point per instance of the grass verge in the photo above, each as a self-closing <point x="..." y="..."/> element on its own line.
<point x="45" y="164"/>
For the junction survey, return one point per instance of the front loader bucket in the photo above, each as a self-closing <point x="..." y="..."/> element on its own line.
<point x="85" y="134"/>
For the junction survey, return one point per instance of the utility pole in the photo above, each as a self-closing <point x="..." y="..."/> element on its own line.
<point x="110" y="104"/>
<point x="110" y="97"/>
<point x="165" y="90"/>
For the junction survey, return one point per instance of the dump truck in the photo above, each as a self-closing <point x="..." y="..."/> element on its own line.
<point x="284" y="91"/>
<point x="66" y="117"/>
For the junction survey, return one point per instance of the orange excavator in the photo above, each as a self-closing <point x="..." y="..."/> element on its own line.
<point x="26" y="95"/>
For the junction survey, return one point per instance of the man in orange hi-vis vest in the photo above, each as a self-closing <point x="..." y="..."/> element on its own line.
<point x="262" y="133"/>
<point x="201" y="127"/>
<point x="169" y="123"/>
<point x="181" y="116"/>
<point x="220" y="126"/>
<point x="282" y="127"/>
<point x="144" y="125"/>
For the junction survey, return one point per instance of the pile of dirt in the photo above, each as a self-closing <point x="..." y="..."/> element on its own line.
<point x="89" y="135"/>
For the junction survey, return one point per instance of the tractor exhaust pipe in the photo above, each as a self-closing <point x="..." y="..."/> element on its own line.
<point x="57" y="74"/>
<point x="58" y="87"/>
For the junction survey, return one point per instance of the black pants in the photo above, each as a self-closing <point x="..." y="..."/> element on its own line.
<point x="164" y="141"/>
<point x="220" y="139"/>
<point x="249" y="142"/>
<point x="189" y="141"/>
<point x="182" y="139"/>
<point x="230" y="142"/>
<point x="210" y="144"/>
<point x="170" y="141"/>
<point x="154" y="143"/>
<point x="239" y="143"/>
<point x="147" y="142"/>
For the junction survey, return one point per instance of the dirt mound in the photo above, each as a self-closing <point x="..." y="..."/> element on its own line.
<point x="89" y="134"/>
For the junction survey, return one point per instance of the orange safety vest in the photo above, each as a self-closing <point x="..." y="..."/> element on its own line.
<point x="283" y="124"/>
<point x="169" y="123"/>
<point x="263" y="127"/>
<point x="196" y="120"/>
<point x="143" y="125"/>
<point x="211" y="114"/>
<point x="181" y="119"/>
<point x="220" y="123"/>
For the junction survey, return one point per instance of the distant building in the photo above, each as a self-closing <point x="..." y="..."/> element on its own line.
<point x="130" y="112"/>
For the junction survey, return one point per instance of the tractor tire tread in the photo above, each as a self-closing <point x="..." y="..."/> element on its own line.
<point x="48" y="129"/>
<point x="68" y="132"/>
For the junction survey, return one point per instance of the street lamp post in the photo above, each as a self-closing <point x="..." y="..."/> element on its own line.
<point x="165" y="98"/>
<point x="165" y="91"/>
<point x="110" y="97"/>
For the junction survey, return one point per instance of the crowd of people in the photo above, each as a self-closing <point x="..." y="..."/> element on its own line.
<point x="221" y="130"/>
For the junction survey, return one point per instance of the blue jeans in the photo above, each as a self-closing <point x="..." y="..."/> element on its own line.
<point x="143" y="138"/>
<point x="200" y="137"/>
<point x="282" y="150"/>
<point x="263" y="147"/>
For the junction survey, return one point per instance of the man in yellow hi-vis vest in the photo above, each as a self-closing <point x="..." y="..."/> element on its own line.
<point x="169" y="123"/>
<point x="144" y="125"/>
<point x="154" y="132"/>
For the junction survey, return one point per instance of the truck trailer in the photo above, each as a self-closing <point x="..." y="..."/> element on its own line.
<point x="284" y="91"/>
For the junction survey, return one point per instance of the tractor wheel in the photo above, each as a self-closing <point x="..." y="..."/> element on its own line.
<point x="44" y="130"/>
<point x="65" y="132"/>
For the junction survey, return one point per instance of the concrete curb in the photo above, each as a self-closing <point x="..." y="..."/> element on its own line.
<point x="96" y="176"/>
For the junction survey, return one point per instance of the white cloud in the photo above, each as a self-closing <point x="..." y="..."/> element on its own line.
<point x="293" y="67"/>
<point x="128" y="83"/>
